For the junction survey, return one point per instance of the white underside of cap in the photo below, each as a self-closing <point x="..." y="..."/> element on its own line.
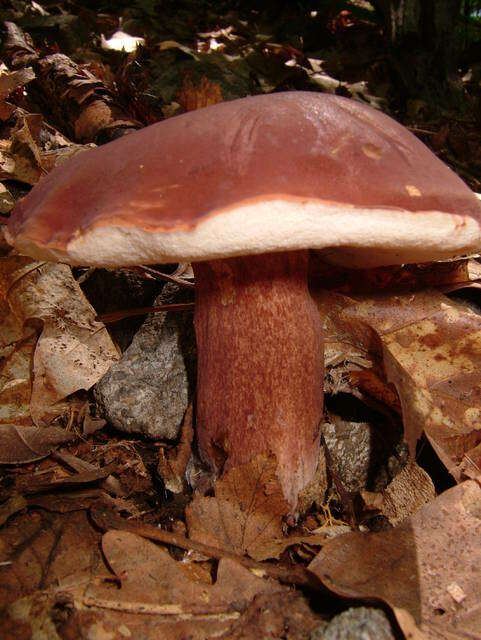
<point x="346" y="235"/>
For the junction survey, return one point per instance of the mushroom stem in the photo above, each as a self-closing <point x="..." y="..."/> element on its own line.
<point x="260" y="365"/>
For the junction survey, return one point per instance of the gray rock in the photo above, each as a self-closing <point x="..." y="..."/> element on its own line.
<point x="361" y="459"/>
<point x="360" y="623"/>
<point x="150" y="387"/>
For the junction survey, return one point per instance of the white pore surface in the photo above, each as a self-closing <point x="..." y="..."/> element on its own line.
<point x="346" y="236"/>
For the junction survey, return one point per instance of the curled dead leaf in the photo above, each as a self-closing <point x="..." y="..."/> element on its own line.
<point x="73" y="350"/>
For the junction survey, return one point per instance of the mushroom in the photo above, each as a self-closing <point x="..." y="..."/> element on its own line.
<point x="244" y="189"/>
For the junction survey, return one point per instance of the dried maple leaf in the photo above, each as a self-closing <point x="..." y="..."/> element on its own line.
<point x="246" y="512"/>
<point x="426" y="569"/>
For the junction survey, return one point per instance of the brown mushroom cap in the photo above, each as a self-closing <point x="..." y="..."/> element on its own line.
<point x="268" y="173"/>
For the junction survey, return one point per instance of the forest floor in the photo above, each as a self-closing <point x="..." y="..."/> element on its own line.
<point x="112" y="531"/>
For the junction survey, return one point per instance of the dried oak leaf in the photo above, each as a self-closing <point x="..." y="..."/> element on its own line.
<point x="426" y="568"/>
<point x="246" y="513"/>
<point x="73" y="350"/>
<point x="151" y="581"/>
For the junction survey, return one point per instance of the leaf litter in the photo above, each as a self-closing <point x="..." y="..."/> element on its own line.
<point x="426" y="567"/>
<point x="429" y="348"/>
<point x="246" y="511"/>
<point x="411" y="350"/>
<point x="73" y="350"/>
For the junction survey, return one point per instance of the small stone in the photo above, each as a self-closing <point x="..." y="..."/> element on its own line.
<point x="351" y="448"/>
<point x="148" y="390"/>
<point x="359" y="458"/>
<point x="361" y="623"/>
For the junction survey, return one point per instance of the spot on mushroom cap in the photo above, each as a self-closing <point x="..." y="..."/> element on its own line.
<point x="266" y="173"/>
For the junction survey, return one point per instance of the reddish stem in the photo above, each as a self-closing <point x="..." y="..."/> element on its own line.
<point x="260" y="365"/>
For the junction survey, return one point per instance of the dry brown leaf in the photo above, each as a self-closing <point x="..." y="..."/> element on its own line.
<point x="25" y="444"/>
<point x="9" y="81"/>
<point x="445" y="276"/>
<point x="110" y="484"/>
<point x="39" y="484"/>
<point x="82" y="105"/>
<point x="151" y="581"/>
<point x="38" y="614"/>
<point x="33" y="150"/>
<point x="18" y="46"/>
<point x="430" y="348"/>
<point x="6" y="199"/>
<point x="39" y="550"/>
<point x="25" y="149"/>
<point x="279" y="615"/>
<point x="406" y="493"/>
<point x="274" y="548"/>
<point x="172" y="465"/>
<point x="345" y="352"/>
<point x="105" y="519"/>
<point x="75" y="500"/>
<point x="246" y="512"/>
<point x="283" y="614"/>
<point x="11" y="506"/>
<point x="426" y="569"/>
<point x="193" y="97"/>
<point x="17" y="348"/>
<point x="73" y="350"/>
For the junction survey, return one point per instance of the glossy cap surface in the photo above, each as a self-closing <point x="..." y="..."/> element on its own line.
<point x="276" y="172"/>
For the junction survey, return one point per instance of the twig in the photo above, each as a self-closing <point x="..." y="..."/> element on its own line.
<point x="115" y="316"/>
<point x="106" y="519"/>
<point x="160" y="275"/>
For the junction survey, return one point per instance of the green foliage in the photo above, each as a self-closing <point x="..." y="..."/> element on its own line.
<point x="472" y="9"/>
<point x="469" y="32"/>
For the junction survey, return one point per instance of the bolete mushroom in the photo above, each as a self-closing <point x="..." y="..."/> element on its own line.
<point x="243" y="189"/>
